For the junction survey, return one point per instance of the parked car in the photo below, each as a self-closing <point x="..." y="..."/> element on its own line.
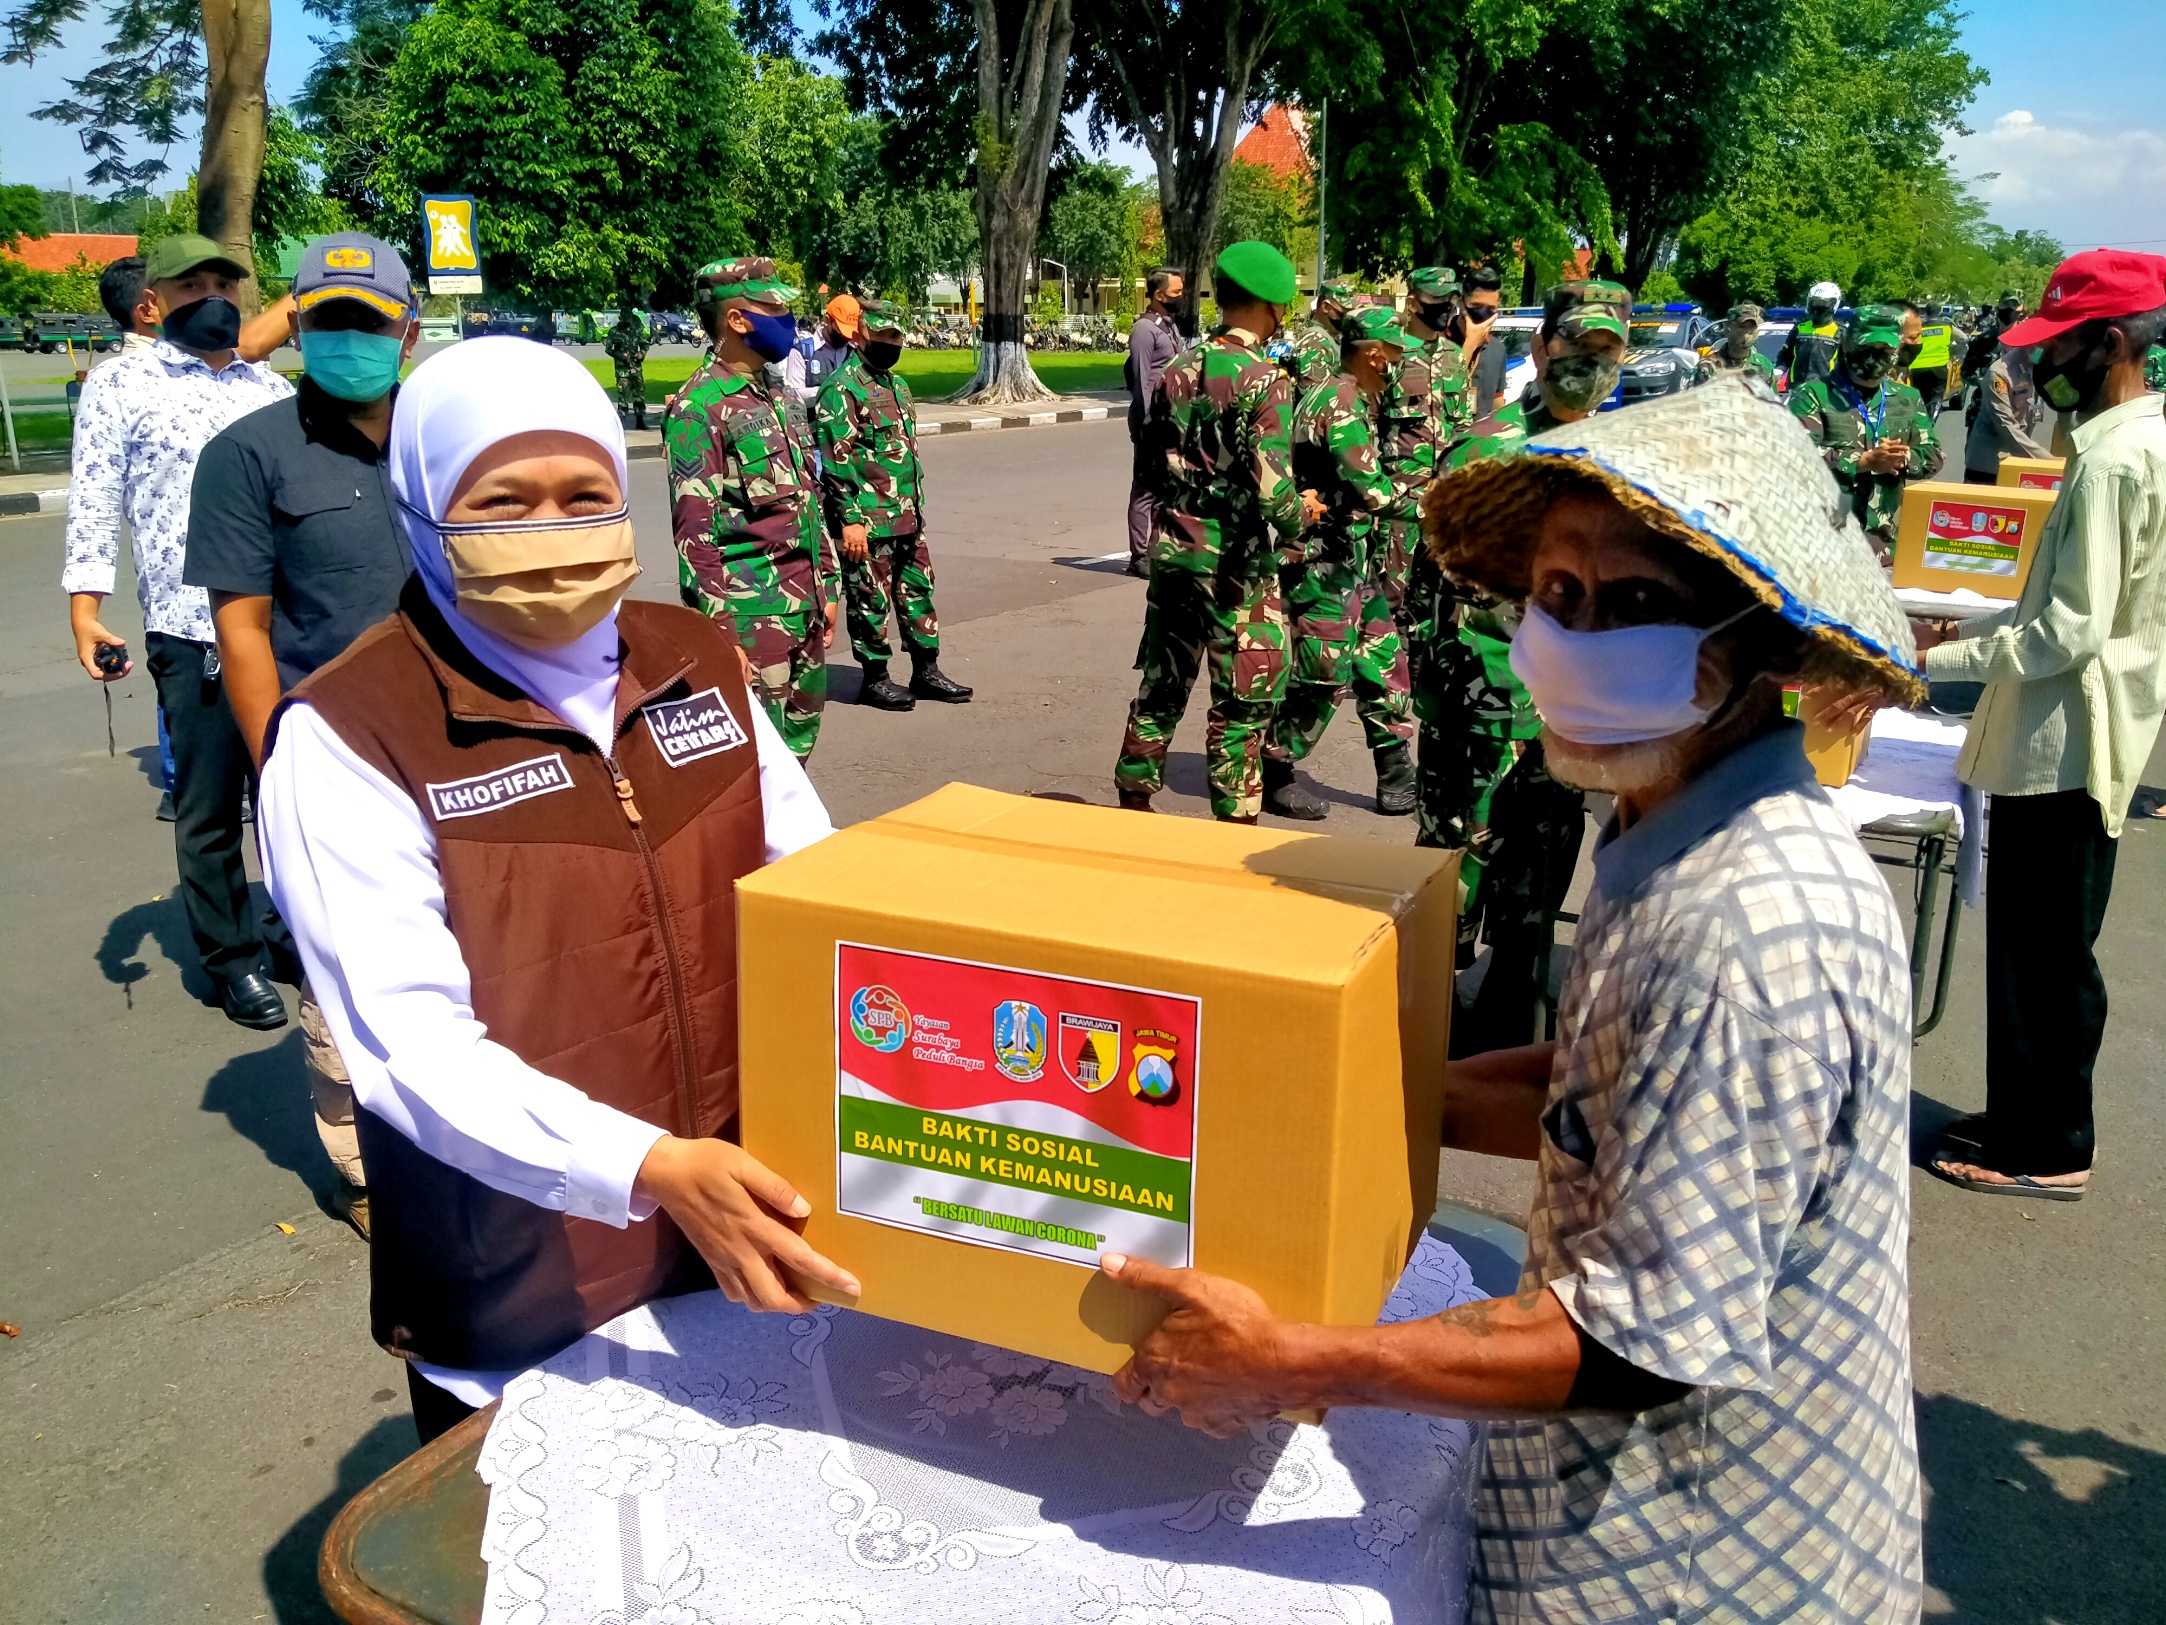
<point x="1515" y="330"/>
<point x="1662" y="354"/>
<point x="674" y="327"/>
<point x="486" y="323"/>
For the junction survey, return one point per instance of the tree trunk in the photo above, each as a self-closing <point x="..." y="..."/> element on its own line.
<point x="1018" y="121"/>
<point x="236" y="50"/>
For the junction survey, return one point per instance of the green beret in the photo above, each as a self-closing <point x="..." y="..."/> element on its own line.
<point x="748" y="277"/>
<point x="1373" y="324"/>
<point x="1343" y="294"/>
<point x="881" y="316"/>
<point x="1875" y="324"/>
<point x="1432" y="282"/>
<point x="1261" y="269"/>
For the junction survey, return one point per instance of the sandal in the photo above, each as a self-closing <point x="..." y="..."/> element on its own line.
<point x="2022" y="1184"/>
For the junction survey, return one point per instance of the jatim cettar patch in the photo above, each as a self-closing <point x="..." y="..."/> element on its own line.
<point x="1009" y="1109"/>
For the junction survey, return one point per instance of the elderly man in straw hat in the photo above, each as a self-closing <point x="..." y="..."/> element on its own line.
<point x="1701" y="1392"/>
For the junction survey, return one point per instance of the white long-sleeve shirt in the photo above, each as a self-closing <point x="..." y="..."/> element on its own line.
<point x="352" y="864"/>
<point x="145" y="417"/>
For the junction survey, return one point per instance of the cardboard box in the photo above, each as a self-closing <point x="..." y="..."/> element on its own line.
<point x="989" y="1037"/>
<point x="1978" y="536"/>
<point x="2032" y="473"/>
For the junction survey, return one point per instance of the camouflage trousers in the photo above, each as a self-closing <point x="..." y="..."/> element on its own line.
<point x="779" y="617"/>
<point x="1397" y="544"/>
<point x="1342" y="633"/>
<point x="1231" y="621"/>
<point x="895" y="577"/>
<point x="632" y="387"/>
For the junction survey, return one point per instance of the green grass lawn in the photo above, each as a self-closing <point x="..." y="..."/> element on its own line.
<point x="933" y="374"/>
<point x="39" y="431"/>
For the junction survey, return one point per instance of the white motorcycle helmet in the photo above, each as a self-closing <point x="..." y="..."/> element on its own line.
<point x="1826" y="293"/>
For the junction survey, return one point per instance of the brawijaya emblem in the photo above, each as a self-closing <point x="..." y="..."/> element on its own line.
<point x="1090" y="1051"/>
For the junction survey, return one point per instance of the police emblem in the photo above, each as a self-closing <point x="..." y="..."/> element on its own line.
<point x="1090" y="1051"/>
<point x="1151" y="1079"/>
<point x="1019" y="1040"/>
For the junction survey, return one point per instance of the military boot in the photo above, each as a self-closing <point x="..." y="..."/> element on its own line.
<point x="1394" y="781"/>
<point x="1136" y="801"/>
<point x="1285" y="796"/>
<point x="929" y="682"/>
<point x="882" y="694"/>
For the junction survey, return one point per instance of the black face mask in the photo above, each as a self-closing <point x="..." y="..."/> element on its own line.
<point x="2072" y="385"/>
<point x="880" y="357"/>
<point x="1907" y="353"/>
<point x="1456" y="328"/>
<point x="1819" y="309"/>
<point x="1436" y="317"/>
<point x="207" y="326"/>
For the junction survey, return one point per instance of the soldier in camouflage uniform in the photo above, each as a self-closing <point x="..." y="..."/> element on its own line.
<point x="867" y="427"/>
<point x="1229" y="516"/>
<point x="627" y="347"/>
<point x="1314" y="345"/>
<point x="1875" y="434"/>
<point x="1738" y="353"/>
<point x="744" y="502"/>
<point x="2154" y="369"/>
<point x="1339" y="622"/>
<point x="1484" y="785"/>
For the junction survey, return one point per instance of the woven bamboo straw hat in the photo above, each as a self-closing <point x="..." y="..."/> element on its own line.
<point x="1728" y="474"/>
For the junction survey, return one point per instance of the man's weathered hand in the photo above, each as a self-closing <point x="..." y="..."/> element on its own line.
<point x="1215" y="1358"/>
<point x="855" y="543"/>
<point x="744" y="1219"/>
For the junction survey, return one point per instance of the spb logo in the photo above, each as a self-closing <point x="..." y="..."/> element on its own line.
<point x="1151" y="1079"/>
<point x="878" y="1019"/>
<point x="1019" y="1040"/>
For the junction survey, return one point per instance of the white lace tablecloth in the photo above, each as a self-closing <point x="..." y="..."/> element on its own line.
<point x="693" y="1464"/>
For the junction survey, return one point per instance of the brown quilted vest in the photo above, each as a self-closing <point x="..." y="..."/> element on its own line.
<point x="595" y="905"/>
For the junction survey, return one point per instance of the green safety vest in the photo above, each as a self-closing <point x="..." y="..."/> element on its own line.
<point x="1933" y="347"/>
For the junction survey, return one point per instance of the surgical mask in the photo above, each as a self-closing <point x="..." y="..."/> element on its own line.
<point x="352" y="366"/>
<point x="2070" y="386"/>
<point x="1868" y="367"/>
<point x="1619" y="687"/>
<point x="880" y="357"/>
<point x="207" y="326"/>
<point x="772" y="337"/>
<point x="539" y="582"/>
<point x="1580" y="383"/>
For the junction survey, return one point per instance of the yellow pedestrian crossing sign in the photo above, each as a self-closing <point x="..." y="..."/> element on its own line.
<point x="454" y="258"/>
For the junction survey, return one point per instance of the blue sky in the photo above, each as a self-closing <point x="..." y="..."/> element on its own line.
<point x="2072" y="126"/>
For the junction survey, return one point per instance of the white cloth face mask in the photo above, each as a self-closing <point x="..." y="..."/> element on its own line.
<point x="1619" y="687"/>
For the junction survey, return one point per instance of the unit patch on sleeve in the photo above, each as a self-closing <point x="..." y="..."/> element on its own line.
<point x="485" y="792"/>
<point x="686" y="730"/>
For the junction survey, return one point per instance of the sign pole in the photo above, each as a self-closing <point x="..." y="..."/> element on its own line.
<point x="7" y="411"/>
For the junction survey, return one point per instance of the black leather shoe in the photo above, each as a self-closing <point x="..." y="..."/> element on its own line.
<point x="929" y="682"/>
<point x="883" y="693"/>
<point x="1286" y="797"/>
<point x="1136" y="801"/>
<point x="1395" y="789"/>
<point x="251" y="1001"/>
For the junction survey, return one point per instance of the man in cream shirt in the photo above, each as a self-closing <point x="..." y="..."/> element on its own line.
<point x="2075" y="679"/>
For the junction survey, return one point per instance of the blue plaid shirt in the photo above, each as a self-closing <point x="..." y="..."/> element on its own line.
<point x="1724" y="1200"/>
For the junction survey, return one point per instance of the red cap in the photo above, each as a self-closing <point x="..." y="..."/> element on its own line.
<point x="2104" y="282"/>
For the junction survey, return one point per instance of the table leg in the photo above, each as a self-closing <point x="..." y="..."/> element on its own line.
<point x="1946" y="972"/>
<point x="1932" y="850"/>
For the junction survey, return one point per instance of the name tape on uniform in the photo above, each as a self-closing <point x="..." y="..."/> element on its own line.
<point x="686" y="730"/>
<point x="485" y="792"/>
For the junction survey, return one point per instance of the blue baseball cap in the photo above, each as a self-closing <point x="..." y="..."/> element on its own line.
<point x="354" y="265"/>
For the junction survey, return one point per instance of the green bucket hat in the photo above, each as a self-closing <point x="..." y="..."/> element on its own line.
<point x="1875" y="324"/>
<point x="1373" y="324"/>
<point x="1432" y="283"/>
<point x="1261" y="269"/>
<point x="1577" y="308"/>
<point x="751" y="277"/>
<point x="171" y="257"/>
<point x="1728" y="474"/>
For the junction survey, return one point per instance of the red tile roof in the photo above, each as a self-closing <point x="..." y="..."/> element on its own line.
<point x="61" y="250"/>
<point x="1278" y="143"/>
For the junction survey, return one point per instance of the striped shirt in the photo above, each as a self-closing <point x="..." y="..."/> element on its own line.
<point x="2076" y="670"/>
<point x="1724" y="1200"/>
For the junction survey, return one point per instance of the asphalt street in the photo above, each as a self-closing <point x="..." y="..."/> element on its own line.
<point x="193" y="1393"/>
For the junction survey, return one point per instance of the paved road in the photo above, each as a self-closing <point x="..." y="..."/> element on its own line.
<point x="194" y="1393"/>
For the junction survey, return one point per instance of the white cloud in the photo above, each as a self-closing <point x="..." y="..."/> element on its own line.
<point x="2084" y="185"/>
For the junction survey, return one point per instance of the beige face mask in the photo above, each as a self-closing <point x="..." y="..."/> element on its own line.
<point x="541" y="582"/>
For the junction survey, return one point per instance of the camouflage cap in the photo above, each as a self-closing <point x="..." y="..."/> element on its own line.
<point x="1432" y="283"/>
<point x="752" y="277"/>
<point x="1339" y="292"/>
<point x="1373" y="324"/>
<point x="1747" y="313"/>
<point x="1578" y="308"/>
<point x="1875" y="324"/>
<point x="880" y="316"/>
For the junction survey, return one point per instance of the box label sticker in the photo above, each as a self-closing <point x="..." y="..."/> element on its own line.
<point x="1975" y="537"/>
<point x="1040" y="1114"/>
<point x="2034" y="479"/>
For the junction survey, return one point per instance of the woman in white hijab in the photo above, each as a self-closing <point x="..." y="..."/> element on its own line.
<point x="505" y="827"/>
